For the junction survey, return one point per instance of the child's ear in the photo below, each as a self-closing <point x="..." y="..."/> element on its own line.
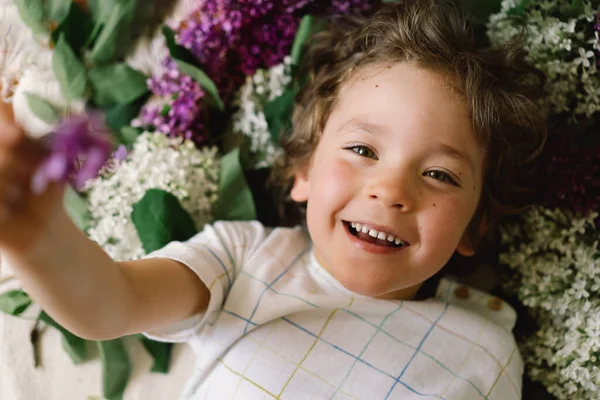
<point x="466" y="247"/>
<point x="300" y="189"/>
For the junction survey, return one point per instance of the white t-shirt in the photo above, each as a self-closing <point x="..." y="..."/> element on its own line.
<point x="278" y="325"/>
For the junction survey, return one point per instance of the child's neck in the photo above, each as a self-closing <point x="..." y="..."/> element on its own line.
<point x="408" y="293"/>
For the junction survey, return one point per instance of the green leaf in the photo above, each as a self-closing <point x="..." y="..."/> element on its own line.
<point x="519" y="9"/>
<point x="116" y="84"/>
<point x="159" y="219"/>
<point x="121" y="115"/>
<point x="128" y="135"/>
<point x="77" y="208"/>
<point x="482" y="9"/>
<point x="42" y="108"/>
<point x="278" y="114"/>
<point x="116" y="368"/>
<point x="176" y="51"/>
<point x="72" y="344"/>
<point x="186" y="61"/>
<point x="235" y="198"/>
<point x="204" y="81"/>
<point x="160" y="352"/>
<point x="14" y="302"/>
<point x="308" y="26"/>
<point x="77" y="27"/>
<point x="97" y="11"/>
<point x="116" y="18"/>
<point x="69" y="71"/>
<point x="33" y="13"/>
<point x="577" y="7"/>
<point x="58" y="10"/>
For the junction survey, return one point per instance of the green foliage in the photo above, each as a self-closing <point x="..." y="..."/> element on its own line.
<point x="72" y="344"/>
<point x="116" y="368"/>
<point x="33" y="13"/>
<point x="14" y="302"/>
<point x="77" y="208"/>
<point x="235" y="198"/>
<point x="69" y="71"/>
<point x="159" y="219"/>
<point x="278" y="114"/>
<point x="186" y="63"/>
<point x="114" y="21"/>
<point x="160" y="352"/>
<point x="76" y="26"/>
<point x="309" y="25"/>
<point x="482" y="9"/>
<point x="116" y="84"/>
<point x="43" y="109"/>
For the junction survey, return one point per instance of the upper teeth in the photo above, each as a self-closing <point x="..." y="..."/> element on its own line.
<point x="376" y="234"/>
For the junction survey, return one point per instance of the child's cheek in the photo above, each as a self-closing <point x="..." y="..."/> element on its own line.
<point x="447" y="221"/>
<point x="338" y="177"/>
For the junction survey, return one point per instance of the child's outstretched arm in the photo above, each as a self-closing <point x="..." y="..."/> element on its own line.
<point x="69" y="275"/>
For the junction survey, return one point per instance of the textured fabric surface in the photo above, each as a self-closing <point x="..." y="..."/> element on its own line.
<point x="279" y="326"/>
<point x="57" y="378"/>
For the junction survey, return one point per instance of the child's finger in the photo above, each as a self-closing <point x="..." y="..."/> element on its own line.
<point x="19" y="161"/>
<point x="11" y="194"/>
<point x="10" y="132"/>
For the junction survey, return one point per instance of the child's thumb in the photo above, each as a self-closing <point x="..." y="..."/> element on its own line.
<point x="10" y="132"/>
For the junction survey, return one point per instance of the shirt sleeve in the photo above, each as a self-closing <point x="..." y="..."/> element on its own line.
<point x="216" y="255"/>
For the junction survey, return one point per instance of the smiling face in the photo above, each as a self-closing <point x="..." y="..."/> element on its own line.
<point x="393" y="183"/>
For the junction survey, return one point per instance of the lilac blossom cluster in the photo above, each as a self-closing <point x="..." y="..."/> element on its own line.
<point x="77" y="151"/>
<point x="180" y="115"/>
<point x="233" y="39"/>
<point x="570" y="174"/>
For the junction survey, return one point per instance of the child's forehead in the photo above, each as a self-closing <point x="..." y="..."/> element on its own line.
<point x="407" y="86"/>
<point x="406" y="90"/>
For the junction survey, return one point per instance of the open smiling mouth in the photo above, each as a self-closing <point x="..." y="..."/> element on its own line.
<point x="367" y="234"/>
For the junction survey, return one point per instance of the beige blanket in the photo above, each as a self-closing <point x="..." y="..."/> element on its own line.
<point x="57" y="378"/>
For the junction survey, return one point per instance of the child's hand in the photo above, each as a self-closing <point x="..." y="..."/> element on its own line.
<point x="23" y="215"/>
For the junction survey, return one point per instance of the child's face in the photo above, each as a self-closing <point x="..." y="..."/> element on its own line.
<point x="398" y="154"/>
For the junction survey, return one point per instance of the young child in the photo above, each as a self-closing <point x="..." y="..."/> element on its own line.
<point x="406" y="142"/>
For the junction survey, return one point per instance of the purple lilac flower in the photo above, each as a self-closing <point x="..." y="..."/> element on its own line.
<point x="120" y="154"/>
<point x="180" y="115"/>
<point x="78" y="150"/>
<point x="232" y="39"/>
<point x="597" y="32"/>
<point x="571" y="176"/>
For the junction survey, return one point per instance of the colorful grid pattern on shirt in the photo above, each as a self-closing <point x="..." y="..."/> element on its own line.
<point x="287" y="331"/>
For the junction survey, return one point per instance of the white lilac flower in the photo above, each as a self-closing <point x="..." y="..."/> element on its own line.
<point x="156" y="162"/>
<point x="26" y="68"/>
<point x="148" y="54"/>
<point x="556" y="261"/>
<point x="19" y="49"/>
<point x="259" y="89"/>
<point x="560" y="45"/>
<point x="41" y="82"/>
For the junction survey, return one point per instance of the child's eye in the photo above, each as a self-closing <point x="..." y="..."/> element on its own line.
<point x="363" y="151"/>
<point x="441" y="176"/>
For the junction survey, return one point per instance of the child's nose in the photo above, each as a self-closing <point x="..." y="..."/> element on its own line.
<point x="392" y="192"/>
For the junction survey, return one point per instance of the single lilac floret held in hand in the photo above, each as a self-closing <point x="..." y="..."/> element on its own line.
<point x="78" y="150"/>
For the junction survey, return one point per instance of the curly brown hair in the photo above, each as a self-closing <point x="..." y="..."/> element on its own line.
<point x="500" y="89"/>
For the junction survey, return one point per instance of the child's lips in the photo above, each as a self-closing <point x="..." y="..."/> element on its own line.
<point x="371" y="244"/>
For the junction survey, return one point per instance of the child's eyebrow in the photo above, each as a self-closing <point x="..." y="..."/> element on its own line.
<point x="358" y="124"/>
<point x="457" y="155"/>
